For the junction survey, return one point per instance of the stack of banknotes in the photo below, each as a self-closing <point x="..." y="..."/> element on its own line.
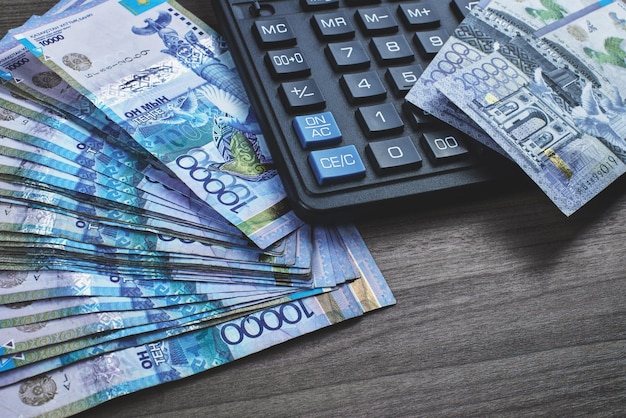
<point x="146" y="236"/>
<point x="542" y="82"/>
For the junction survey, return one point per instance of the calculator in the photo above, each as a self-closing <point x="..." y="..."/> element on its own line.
<point x="327" y="79"/>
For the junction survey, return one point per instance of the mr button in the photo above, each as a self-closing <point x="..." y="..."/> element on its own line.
<point x="336" y="165"/>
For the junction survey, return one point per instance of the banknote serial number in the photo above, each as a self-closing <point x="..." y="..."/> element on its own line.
<point x="270" y="320"/>
<point x="603" y="169"/>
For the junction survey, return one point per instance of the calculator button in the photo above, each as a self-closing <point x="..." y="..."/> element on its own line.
<point x="274" y="33"/>
<point x="394" y="154"/>
<point x="332" y="26"/>
<point x="347" y="56"/>
<point x="378" y="120"/>
<point x="376" y="20"/>
<point x="362" y="87"/>
<point x="402" y="79"/>
<point x="300" y="96"/>
<point x="419" y="15"/>
<point x="336" y="165"/>
<point x="287" y="63"/>
<point x="317" y="130"/>
<point x="391" y="50"/>
<point x="445" y="145"/>
<point x="430" y="42"/>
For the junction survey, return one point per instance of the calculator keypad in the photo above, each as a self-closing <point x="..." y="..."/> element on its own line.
<point x="335" y="73"/>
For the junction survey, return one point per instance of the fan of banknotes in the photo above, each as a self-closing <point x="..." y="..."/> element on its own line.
<point x="542" y="82"/>
<point x="145" y="232"/>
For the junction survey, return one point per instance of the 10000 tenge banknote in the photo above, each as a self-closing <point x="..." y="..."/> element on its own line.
<point x="167" y="79"/>
<point x="543" y="80"/>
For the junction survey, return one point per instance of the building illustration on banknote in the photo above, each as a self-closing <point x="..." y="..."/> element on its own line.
<point x="534" y="124"/>
<point x="561" y="101"/>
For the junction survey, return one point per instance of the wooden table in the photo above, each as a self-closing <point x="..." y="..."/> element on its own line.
<point x="505" y="308"/>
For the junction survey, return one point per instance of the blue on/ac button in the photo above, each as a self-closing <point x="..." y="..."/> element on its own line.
<point x="317" y="130"/>
<point x="336" y="165"/>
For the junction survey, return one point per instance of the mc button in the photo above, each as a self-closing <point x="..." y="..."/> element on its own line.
<point x="273" y="33"/>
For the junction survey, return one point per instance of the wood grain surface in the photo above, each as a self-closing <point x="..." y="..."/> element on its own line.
<point x="505" y="308"/>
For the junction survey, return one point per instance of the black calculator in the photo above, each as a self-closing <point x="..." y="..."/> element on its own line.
<point x="327" y="80"/>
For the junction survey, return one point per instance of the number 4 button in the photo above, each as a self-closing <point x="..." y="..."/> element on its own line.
<point x="361" y="87"/>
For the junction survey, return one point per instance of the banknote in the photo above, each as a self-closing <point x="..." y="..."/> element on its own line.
<point x="34" y="221"/>
<point x="35" y="362"/>
<point x="474" y="44"/>
<point x="156" y="182"/>
<point x="146" y="235"/>
<point x="81" y="233"/>
<point x="26" y="139"/>
<point x="50" y="352"/>
<point x="173" y="86"/>
<point x="22" y="193"/>
<point x="29" y="78"/>
<point x="28" y="363"/>
<point x="26" y="286"/>
<point x="75" y="387"/>
<point x="87" y="141"/>
<point x="16" y="314"/>
<point x="343" y="268"/>
<point x="73" y="142"/>
<point x="29" y="336"/>
<point x="58" y="330"/>
<point x="58" y="253"/>
<point x="542" y="89"/>
<point x="86" y="189"/>
<point x="25" y="239"/>
<point x="539" y="14"/>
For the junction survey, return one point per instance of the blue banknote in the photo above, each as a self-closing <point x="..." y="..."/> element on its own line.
<point x="541" y="80"/>
<point x="168" y="80"/>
